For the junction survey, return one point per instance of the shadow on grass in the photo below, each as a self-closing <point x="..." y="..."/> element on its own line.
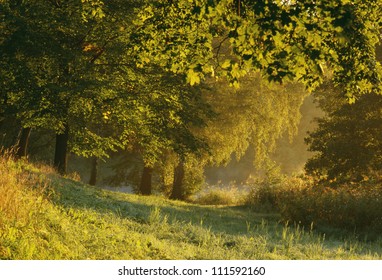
<point x="228" y="220"/>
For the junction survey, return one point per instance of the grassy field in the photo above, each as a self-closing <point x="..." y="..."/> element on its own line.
<point x="45" y="216"/>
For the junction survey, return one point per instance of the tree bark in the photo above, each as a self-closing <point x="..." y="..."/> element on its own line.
<point x="61" y="151"/>
<point x="2" y="120"/>
<point x="177" y="187"/>
<point x="94" y="171"/>
<point x="22" y="142"/>
<point x="145" y="187"/>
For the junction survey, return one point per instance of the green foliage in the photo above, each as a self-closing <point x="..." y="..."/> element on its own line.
<point x="298" y="40"/>
<point x="193" y="180"/>
<point x="347" y="140"/>
<point x="193" y="177"/>
<point x="47" y="53"/>
<point x="256" y="114"/>
<point x="168" y="111"/>
<point x="263" y="197"/>
<point x="103" y="71"/>
<point x="352" y="207"/>
<point x="74" y="72"/>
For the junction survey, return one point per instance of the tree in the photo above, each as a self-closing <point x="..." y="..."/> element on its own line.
<point x="170" y="110"/>
<point x="347" y="141"/>
<point x="153" y="116"/>
<point x="57" y="75"/>
<point x="252" y="117"/>
<point x="82" y="85"/>
<point x="22" y="143"/>
<point x="177" y="191"/>
<point x="42" y="57"/>
<point x="284" y="40"/>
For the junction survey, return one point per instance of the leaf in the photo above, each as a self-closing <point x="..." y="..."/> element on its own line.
<point x="193" y="77"/>
<point x="226" y="64"/>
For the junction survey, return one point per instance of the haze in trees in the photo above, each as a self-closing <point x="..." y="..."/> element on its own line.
<point x="150" y="76"/>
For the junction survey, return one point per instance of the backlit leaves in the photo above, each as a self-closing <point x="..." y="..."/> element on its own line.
<point x="292" y="40"/>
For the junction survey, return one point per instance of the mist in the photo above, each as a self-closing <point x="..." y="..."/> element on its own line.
<point x="289" y="155"/>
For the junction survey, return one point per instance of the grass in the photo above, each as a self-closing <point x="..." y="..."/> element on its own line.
<point x="45" y="216"/>
<point x="217" y="195"/>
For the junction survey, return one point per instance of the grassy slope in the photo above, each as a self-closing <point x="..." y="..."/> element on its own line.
<point x="45" y="216"/>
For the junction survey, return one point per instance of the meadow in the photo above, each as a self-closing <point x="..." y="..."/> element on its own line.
<point x="46" y="216"/>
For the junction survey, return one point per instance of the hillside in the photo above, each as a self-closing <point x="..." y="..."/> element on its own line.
<point x="45" y="216"/>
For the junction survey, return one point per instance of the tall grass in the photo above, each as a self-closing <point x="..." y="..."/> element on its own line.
<point x="221" y="195"/>
<point x="22" y="194"/>
<point x="23" y="199"/>
<point x="353" y="207"/>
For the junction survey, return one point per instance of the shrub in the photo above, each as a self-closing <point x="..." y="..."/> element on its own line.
<point x="352" y="207"/>
<point x="355" y="207"/>
<point x="221" y="196"/>
<point x="265" y="194"/>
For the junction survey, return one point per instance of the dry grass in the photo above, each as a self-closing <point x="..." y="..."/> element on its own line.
<point x="230" y="195"/>
<point x="22" y="193"/>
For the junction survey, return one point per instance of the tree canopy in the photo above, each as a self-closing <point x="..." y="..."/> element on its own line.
<point x="285" y="40"/>
<point x="70" y="72"/>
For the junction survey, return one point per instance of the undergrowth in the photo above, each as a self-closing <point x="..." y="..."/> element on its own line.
<point x="215" y="195"/>
<point x="45" y="216"/>
<point x="353" y="207"/>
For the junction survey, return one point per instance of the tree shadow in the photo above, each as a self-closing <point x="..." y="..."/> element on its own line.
<point x="223" y="220"/>
<point x="228" y="219"/>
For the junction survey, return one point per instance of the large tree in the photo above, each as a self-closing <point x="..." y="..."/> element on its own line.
<point x="44" y="57"/>
<point x="167" y="109"/>
<point x="348" y="139"/>
<point x="59" y="60"/>
<point x="246" y="120"/>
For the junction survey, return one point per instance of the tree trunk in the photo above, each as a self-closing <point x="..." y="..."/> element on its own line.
<point x="177" y="187"/>
<point x="61" y="152"/>
<point x="22" y="142"/>
<point x="94" y="171"/>
<point x="2" y="121"/>
<point x="145" y="187"/>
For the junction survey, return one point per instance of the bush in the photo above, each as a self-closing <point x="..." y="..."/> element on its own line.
<point x="265" y="194"/>
<point x="352" y="207"/>
<point x="221" y="196"/>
